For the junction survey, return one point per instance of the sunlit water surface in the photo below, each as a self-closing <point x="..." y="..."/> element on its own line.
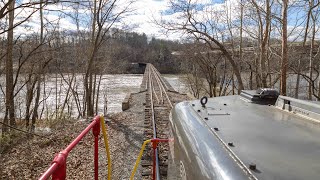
<point x="113" y="88"/>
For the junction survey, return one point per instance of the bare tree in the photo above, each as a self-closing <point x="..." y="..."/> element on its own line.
<point x="263" y="37"/>
<point x="207" y="29"/>
<point x="104" y="17"/>
<point x="10" y="6"/>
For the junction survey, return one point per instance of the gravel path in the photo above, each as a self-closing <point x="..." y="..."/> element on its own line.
<point x="126" y="137"/>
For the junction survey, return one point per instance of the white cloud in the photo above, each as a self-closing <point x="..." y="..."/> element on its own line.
<point x="146" y="12"/>
<point x="142" y="18"/>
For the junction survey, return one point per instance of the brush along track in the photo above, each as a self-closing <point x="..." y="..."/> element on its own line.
<point x="160" y="98"/>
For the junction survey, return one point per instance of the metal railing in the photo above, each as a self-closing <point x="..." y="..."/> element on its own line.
<point x="58" y="166"/>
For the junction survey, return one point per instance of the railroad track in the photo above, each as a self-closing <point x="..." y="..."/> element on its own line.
<point x="158" y="106"/>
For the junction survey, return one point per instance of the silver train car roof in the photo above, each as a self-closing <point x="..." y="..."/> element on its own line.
<point x="280" y="141"/>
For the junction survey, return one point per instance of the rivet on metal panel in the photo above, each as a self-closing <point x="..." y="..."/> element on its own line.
<point x="252" y="166"/>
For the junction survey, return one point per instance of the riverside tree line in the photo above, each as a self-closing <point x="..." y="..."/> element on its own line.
<point x="93" y="50"/>
<point x="250" y="44"/>
<point x="232" y="45"/>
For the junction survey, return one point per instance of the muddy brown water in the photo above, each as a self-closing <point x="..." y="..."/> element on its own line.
<point x="114" y="88"/>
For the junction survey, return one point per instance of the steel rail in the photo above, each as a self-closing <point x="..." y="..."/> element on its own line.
<point x="153" y="124"/>
<point x="147" y="72"/>
<point x="158" y="73"/>
<point x="154" y="91"/>
<point x="153" y="78"/>
<point x="162" y="86"/>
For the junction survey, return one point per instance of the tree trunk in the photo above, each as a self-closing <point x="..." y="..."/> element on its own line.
<point x="241" y="31"/>
<point x="223" y="80"/>
<point x="311" y="55"/>
<point x="233" y="86"/>
<point x="284" y="49"/>
<point x="30" y="86"/>
<point x="296" y="94"/>
<point x="257" y="73"/>
<point x="262" y="40"/>
<point x="88" y="75"/>
<point x="56" y="89"/>
<point x="44" y="96"/>
<point x="235" y="69"/>
<point x="251" y="77"/>
<point x="215" y="83"/>
<point x="39" y="72"/>
<point x="9" y="69"/>
<point x="36" y="103"/>
<point x="67" y="96"/>
<point x="303" y="48"/>
<point x="263" y="53"/>
<point x="94" y="89"/>
<point x="98" y="93"/>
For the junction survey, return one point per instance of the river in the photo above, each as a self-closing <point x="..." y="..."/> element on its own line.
<point x="114" y="88"/>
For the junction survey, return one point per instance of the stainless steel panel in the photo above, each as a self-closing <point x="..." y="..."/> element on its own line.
<point x="195" y="146"/>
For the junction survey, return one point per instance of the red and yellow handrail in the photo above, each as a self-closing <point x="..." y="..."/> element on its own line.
<point x="58" y="166"/>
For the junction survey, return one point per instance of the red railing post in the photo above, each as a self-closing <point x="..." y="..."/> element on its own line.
<point x="96" y="132"/>
<point x="61" y="171"/>
<point x="155" y="142"/>
<point x="154" y="147"/>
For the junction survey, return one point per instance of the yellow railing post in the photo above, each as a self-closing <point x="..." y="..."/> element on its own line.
<point x="139" y="158"/>
<point x="106" y="142"/>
